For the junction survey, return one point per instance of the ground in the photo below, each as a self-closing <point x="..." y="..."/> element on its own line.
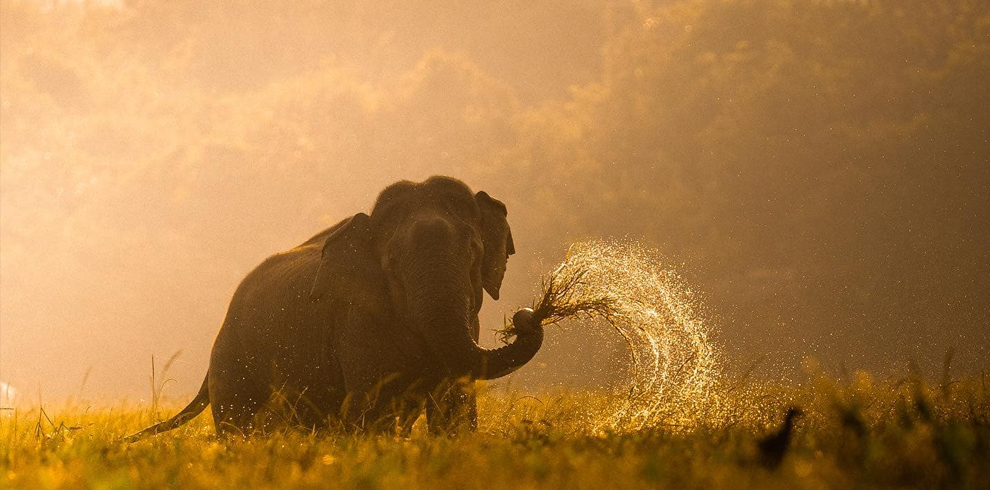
<point x="856" y="433"/>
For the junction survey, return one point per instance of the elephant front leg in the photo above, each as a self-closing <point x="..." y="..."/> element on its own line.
<point x="452" y="408"/>
<point x="468" y="397"/>
<point x="471" y="406"/>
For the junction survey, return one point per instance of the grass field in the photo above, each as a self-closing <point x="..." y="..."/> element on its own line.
<point x="857" y="433"/>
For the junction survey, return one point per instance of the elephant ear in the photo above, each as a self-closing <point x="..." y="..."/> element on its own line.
<point x="347" y="253"/>
<point x="497" y="240"/>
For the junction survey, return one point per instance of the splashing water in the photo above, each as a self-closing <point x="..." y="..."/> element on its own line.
<point x="676" y="367"/>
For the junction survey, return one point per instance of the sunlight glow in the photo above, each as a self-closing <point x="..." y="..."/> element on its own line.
<point x="676" y="367"/>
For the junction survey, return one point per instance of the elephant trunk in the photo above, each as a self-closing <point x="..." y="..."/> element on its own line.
<point x="441" y="309"/>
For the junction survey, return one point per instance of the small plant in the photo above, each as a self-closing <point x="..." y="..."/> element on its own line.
<point x="158" y="388"/>
<point x="57" y="432"/>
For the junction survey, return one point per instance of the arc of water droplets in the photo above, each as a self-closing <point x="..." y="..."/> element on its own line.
<point x="676" y="366"/>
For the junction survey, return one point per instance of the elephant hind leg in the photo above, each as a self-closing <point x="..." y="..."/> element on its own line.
<point x="273" y="410"/>
<point x="237" y="404"/>
<point x="238" y="417"/>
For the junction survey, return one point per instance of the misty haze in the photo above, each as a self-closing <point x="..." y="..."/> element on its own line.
<point x="825" y="188"/>
<point x="815" y="174"/>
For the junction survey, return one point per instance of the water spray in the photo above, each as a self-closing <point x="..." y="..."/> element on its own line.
<point x="628" y="289"/>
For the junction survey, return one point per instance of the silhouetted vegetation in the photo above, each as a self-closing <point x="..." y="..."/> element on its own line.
<point x="819" y="167"/>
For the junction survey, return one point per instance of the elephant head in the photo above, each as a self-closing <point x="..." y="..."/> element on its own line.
<point x="437" y="247"/>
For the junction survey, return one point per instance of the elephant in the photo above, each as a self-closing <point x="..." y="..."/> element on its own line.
<point x="369" y="322"/>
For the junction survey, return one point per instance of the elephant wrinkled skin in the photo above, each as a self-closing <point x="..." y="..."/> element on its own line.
<point x="369" y="322"/>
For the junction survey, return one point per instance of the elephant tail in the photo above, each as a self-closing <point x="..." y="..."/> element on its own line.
<point x="194" y="408"/>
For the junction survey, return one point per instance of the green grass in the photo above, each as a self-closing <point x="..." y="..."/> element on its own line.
<point x="858" y="433"/>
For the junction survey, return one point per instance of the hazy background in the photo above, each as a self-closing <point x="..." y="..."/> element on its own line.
<point x="817" y="169"/>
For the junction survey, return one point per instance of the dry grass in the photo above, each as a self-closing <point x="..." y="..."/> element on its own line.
<point x="857" y="433"/>
<point x="565" y="296"/>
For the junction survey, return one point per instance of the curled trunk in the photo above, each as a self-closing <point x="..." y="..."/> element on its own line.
<point x="465" y="357"/>
<point x="442" y="308"/>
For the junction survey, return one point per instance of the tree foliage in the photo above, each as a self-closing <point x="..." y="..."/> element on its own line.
<point x="819" y="167"/>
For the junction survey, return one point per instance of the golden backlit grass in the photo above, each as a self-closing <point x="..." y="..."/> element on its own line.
<point x="857" y="432"/>
<point x="680" y="421"/>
